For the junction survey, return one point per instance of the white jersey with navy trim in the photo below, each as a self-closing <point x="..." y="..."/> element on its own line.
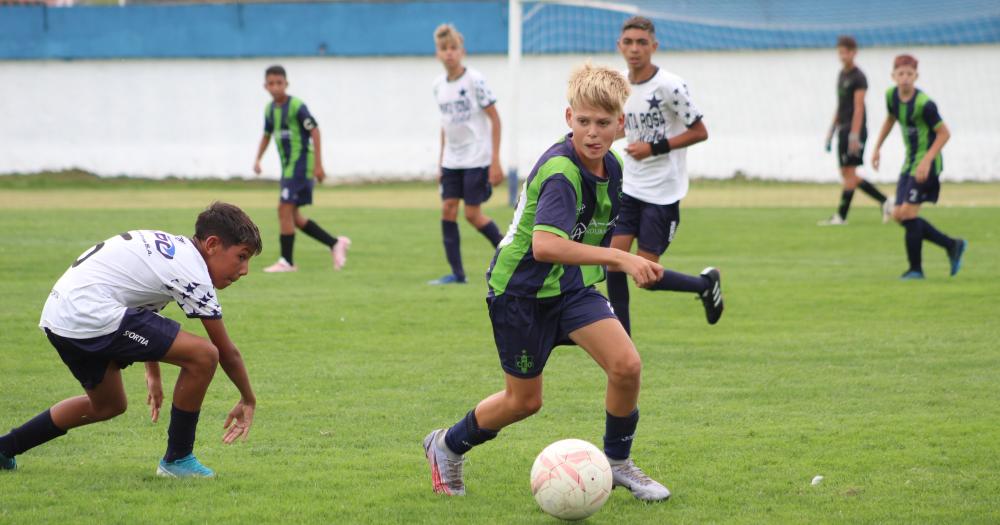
<point x="657" y="109"/>
<point x="468" y="139"/>
<point x="137" y="269"/>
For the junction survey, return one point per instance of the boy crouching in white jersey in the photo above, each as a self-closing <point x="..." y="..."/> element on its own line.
<point x="102" y="315"/>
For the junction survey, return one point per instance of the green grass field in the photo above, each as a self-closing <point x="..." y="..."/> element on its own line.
<point x="823" y="364"/>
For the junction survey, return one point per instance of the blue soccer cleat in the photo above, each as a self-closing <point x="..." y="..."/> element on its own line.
<point x="448" y="279"/>
<point x="910" y="275"/>
<point x="7" y="463"/>
<point x="186" y="467"/>
<point x="955" y="255"/>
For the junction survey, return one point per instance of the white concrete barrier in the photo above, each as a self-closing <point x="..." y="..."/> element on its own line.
<point x="767" y="112"/>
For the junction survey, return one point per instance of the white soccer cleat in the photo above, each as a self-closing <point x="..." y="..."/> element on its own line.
<point x="834" y="220"/>
<point x="446" y="473"/>
<point x="339" y="252"/>
<point x="887" y="211"/>
<point x="281" y="266"/>
<point x="627" y="474"/>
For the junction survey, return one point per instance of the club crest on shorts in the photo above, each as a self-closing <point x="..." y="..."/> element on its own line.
<point x="525" y="362"/>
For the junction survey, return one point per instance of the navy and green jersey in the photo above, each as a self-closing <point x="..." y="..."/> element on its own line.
<point x="847" y="83"/>
<point x="918" y="120"/>
<point x="564" y="198"/>
<point x="290" y="124"/>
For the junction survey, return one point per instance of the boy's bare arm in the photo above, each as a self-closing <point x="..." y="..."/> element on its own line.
<point x="857" y="119"/>
<point x="924" y="168"/>
<point x="441" y="155"/>
<point x="232" y="363"/>
<point x="261" y="148"/>
<point x="318" y="170"/>
<point x="831" y="131"/>
<point x="882" y="134"/>
<point x="550" y="248"/>
<point x="496" y="172"/>
<point x="698" y="132"/>
<point x="154" y="386"/>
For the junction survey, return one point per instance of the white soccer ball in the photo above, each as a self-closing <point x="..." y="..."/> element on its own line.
<point x="571" y="479"/>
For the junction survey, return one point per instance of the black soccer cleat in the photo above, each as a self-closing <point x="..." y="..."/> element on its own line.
<point x="711" y="298"/>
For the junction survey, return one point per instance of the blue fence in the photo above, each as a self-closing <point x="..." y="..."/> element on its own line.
<point x="404" y="28"/>
<point x="246" y="30"/>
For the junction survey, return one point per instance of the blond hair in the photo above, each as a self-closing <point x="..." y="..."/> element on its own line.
<point x="597" y="87"/>
<point x="446" y="33"/>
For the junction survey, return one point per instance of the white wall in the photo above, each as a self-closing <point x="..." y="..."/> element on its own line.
<point x="767" y="112"/>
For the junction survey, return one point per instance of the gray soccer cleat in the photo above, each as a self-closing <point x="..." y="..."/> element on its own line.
<point x="835" y="220"/>
<point x="887" y="207"/>
<point x="446" y="473"/>
<point x="628" y="475"/>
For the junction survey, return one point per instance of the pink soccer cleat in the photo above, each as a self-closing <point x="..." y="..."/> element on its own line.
<point x="281" y="266"/>
<point x="339" y="252"/>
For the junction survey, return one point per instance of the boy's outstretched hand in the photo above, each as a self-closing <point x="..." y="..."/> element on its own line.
<point x="241" y="418"/>
<point x="155" y="397"/>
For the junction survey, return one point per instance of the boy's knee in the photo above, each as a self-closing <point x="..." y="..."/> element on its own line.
<point x="206" y="358"/>
<point x="449" y="210"/>
<point x="528" y="405"/>
<point x="626" y="369"/>
<point x="473" y="214"/>
<point x="111" y="409"/>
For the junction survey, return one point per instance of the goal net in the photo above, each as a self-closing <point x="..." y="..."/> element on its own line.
<point x="764" y="74"/>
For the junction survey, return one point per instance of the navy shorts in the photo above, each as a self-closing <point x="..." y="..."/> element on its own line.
<point x="471" y="185"/>
<point x="141" y="336"/>
<point x="297" y="190"/>
<point x="654" y="225"/>
<point x="845" y="158"/>
<point x="526" y="329"/>
<point x="908" y="190"/>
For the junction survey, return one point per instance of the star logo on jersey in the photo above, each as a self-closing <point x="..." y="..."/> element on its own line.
<point x="654" y="102"/>
<point x="191" y="287"/>
<point x="462" y="92"/>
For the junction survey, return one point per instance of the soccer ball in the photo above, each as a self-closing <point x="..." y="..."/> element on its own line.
<point x="571" y="479"/>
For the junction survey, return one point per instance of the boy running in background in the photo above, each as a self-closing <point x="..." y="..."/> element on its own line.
<point x="296" y="135"/>
<point x="924" y="135"/>
<point x="470" y="148"/>
<point x="661" y="122"/>
<point x="850" y="120"/>
<point x="541" y="289"/>
<point x="101" y="316"/>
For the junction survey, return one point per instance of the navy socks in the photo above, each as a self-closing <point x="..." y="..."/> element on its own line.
<point x="845" y="203"/>
<point x="934" y="235"/>
<point x="316" y="232"/>
<point x="618" y="297"/>
<point x="871" y="190"/>
<point x="452" y="247"/>
<point x="465" y="434"/>
<point x="287" y="246"/>
<point x="618" y="435"/>
<point x="913" y="239"/>
<point x="916" y="231"/>
<point x="180" y="434"/>
<point x="680" y="282"/>
<point x="38" y="430"/>
<point x="491" y="232"/>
